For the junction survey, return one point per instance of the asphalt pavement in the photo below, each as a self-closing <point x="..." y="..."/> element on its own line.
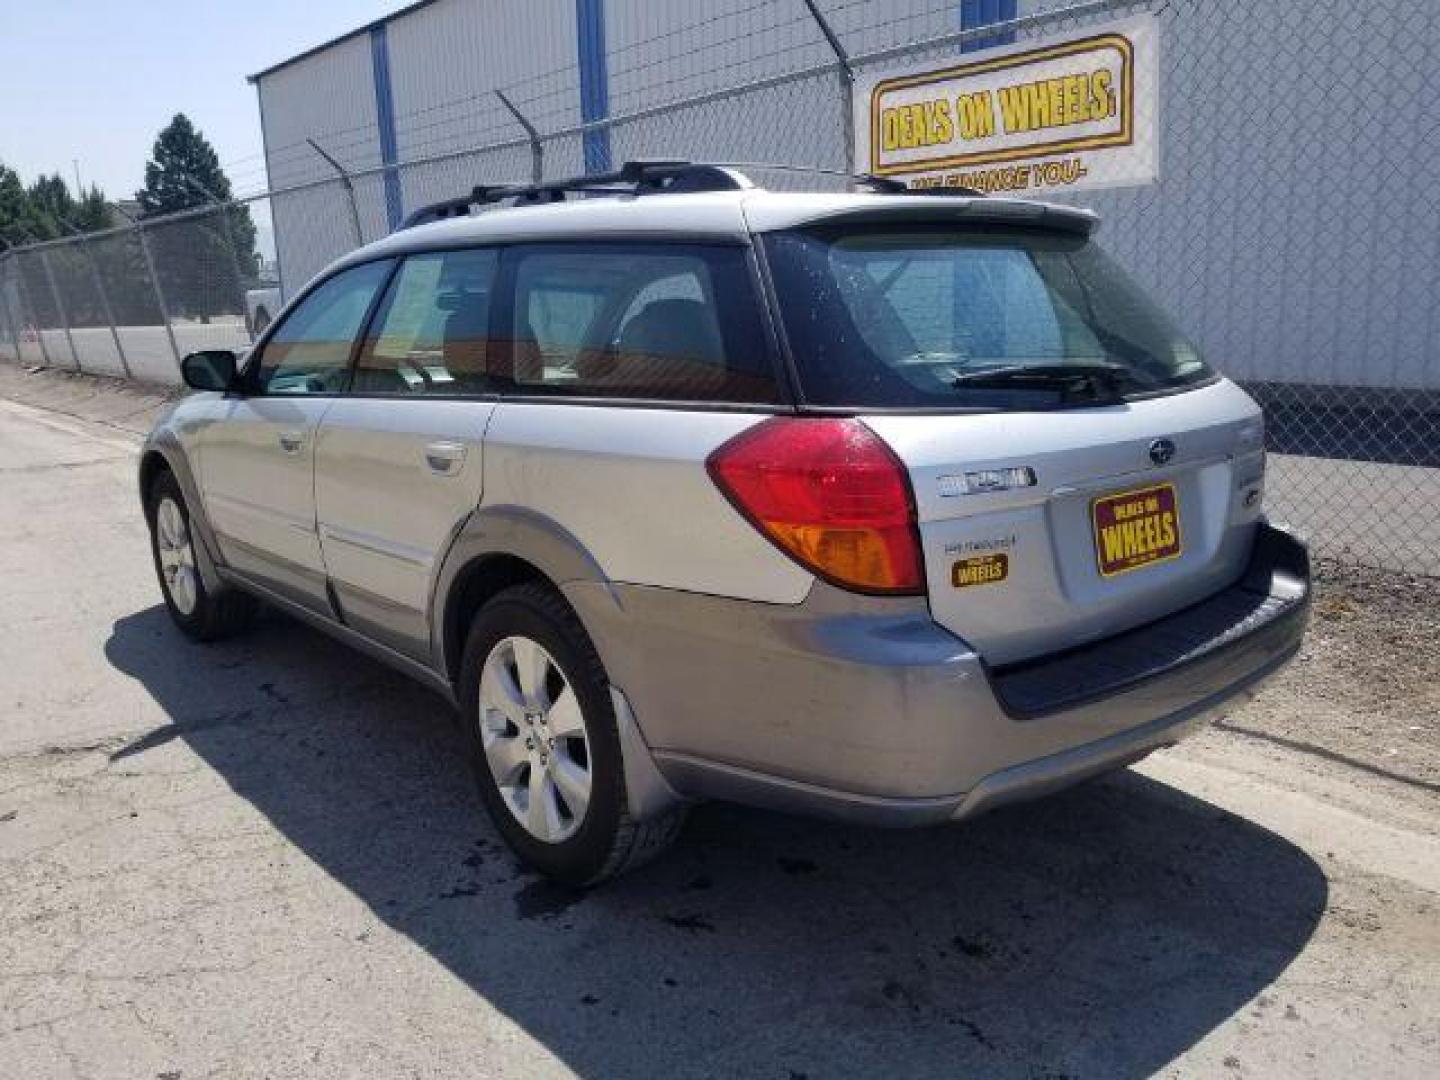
<point x="266" y="858"/>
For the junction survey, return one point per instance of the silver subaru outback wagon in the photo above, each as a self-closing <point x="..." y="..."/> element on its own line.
<point x="889" y="507"/>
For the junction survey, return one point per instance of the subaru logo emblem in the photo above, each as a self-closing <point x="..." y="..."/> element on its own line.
<point x="1161" y="451"/>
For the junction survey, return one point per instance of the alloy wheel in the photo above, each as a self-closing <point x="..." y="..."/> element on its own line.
<point x="532" y="730"/>
<point x="177" y="556"/>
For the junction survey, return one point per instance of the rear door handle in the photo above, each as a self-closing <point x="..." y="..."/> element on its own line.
<point x="291" y="441"/>
<point x="444" y="457"/>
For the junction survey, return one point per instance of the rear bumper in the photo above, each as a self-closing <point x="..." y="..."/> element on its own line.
<point x="1213" y="640"/>
<point x="870" y="711"/>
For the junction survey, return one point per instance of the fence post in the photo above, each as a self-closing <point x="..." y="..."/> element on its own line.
<point x="537" y="152"/>
<point x="154" y="281"/>
<point x="349" y="190"/>
<point x="847" y="83"/>
<point x="60" y="307"/>
<point x="105" y="308"/>
<point x="23" y="292"/>
<point x="10" y="311"/>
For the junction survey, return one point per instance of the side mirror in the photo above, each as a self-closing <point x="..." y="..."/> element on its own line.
<point x="211" y="369"/>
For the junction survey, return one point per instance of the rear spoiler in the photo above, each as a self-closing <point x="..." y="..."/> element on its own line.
<point x="958" y="209"/>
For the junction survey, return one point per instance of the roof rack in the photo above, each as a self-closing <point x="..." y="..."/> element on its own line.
<point x="639" y="177"/>
<point x="651" y="177"/>
<point x="888" y="185"/>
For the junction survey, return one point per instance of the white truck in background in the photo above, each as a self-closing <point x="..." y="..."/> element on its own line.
<point x="261" y="306"/>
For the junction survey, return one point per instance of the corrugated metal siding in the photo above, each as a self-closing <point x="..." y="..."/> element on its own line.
<point x="1292" y="230"/>
<point x="1283" y="233"/>
<point x="447" y="59"/>
<point x="329" y="97"/>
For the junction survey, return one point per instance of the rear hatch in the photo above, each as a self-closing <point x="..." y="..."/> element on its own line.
<point x="1077" y="469"/>
<point x="1103" y="539"/>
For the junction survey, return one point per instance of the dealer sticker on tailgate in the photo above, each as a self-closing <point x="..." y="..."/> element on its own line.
<point x="1136" y="528"/>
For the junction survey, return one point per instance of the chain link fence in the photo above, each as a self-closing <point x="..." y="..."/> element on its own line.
<point x="1291" y="230"/>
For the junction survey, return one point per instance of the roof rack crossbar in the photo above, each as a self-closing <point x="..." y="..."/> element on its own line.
<point x="647" y="176"/>
<point x="888" y="185"/>
<point x="638" y="177"/>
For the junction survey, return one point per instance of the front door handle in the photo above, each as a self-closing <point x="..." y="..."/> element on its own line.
<point x="291" y="441"/>
<point x="445" y="457"/>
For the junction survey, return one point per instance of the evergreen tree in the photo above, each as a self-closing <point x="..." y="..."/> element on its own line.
<point x="205" y="262"/>
<point x="92" y="211"/>
<point x="51" y="201"/>
<point x="19" y="222"/>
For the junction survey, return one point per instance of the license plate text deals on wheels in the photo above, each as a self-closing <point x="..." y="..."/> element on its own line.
<point x="1136" y="528"/>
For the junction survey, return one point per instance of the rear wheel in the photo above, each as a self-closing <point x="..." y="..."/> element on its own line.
<point x="202" y="614"/>
<point x="544" y="743"/>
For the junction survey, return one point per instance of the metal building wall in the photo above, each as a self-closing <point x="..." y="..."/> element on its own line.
<point x="1280" y="231"/>
<point x="329" y="96"/>
<point x="446" y="61"/>
<point x="1290" y="232"/>
<point x="427" y="90"/>
<point x="658" y="52"/>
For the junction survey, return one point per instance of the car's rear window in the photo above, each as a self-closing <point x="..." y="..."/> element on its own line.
<point x="930" y="316"/>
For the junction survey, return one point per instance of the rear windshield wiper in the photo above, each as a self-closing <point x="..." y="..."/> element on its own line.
<point x="1093" y="382"/>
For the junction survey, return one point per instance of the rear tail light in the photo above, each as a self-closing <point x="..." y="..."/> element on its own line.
<point x="831" y="495"/>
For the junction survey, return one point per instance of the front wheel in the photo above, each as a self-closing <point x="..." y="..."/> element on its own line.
<point x="202" y="614"/>
<point x="543" y="741"/>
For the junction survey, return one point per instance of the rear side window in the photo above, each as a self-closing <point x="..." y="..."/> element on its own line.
<point x="432" y="333"/>
<point x="658" y="322"/>
<point x="929" y="317"/>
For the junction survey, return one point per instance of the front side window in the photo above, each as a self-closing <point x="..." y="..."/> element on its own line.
<point x="309" y="353"/>
<point x="431" y="334"/>
<point x="656" y="322"/>
<point x="929" y="316"/>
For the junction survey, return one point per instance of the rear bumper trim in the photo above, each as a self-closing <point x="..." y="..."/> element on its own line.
<point x="1032" y="779"/>
<point x="1027" y="780"/>
<point x="1270" y="601"/>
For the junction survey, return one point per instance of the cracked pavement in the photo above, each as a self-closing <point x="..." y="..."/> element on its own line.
<point x="265" y="859"/>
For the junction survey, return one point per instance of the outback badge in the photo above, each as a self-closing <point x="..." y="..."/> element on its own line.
<point x="980" y="570"/>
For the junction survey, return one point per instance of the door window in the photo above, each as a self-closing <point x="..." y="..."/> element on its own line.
<point x="309" y="353"/>
<point x="432" y="333"/>
<point x="659" y="322"/>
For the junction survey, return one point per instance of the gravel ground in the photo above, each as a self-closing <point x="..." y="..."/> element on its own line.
<point x="1365" y="689"/>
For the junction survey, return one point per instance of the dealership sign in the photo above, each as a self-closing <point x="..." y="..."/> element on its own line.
<point x="1079" y="111"/>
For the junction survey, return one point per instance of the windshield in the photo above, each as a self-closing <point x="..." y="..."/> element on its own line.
<point x="931" y="317"/>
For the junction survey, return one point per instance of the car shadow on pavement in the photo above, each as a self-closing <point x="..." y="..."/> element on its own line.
<point x="1100" y="932"/>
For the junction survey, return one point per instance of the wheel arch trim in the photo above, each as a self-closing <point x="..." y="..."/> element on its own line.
<point x="515" y="532"/>
<point x="510" y="532"/>
<point x="163" y="450"/>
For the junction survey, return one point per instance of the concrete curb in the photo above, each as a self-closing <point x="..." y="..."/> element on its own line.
<point x="128" y="406"/>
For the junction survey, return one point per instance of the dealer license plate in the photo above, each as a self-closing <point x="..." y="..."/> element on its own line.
<point x="1136" y="528"/>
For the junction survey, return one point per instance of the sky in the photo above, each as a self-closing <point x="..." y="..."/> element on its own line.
<point x="96" y="80"/>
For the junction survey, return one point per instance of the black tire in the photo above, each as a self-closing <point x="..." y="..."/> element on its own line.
<point x="213" y="615"/>
<point x="608" y="841"/>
